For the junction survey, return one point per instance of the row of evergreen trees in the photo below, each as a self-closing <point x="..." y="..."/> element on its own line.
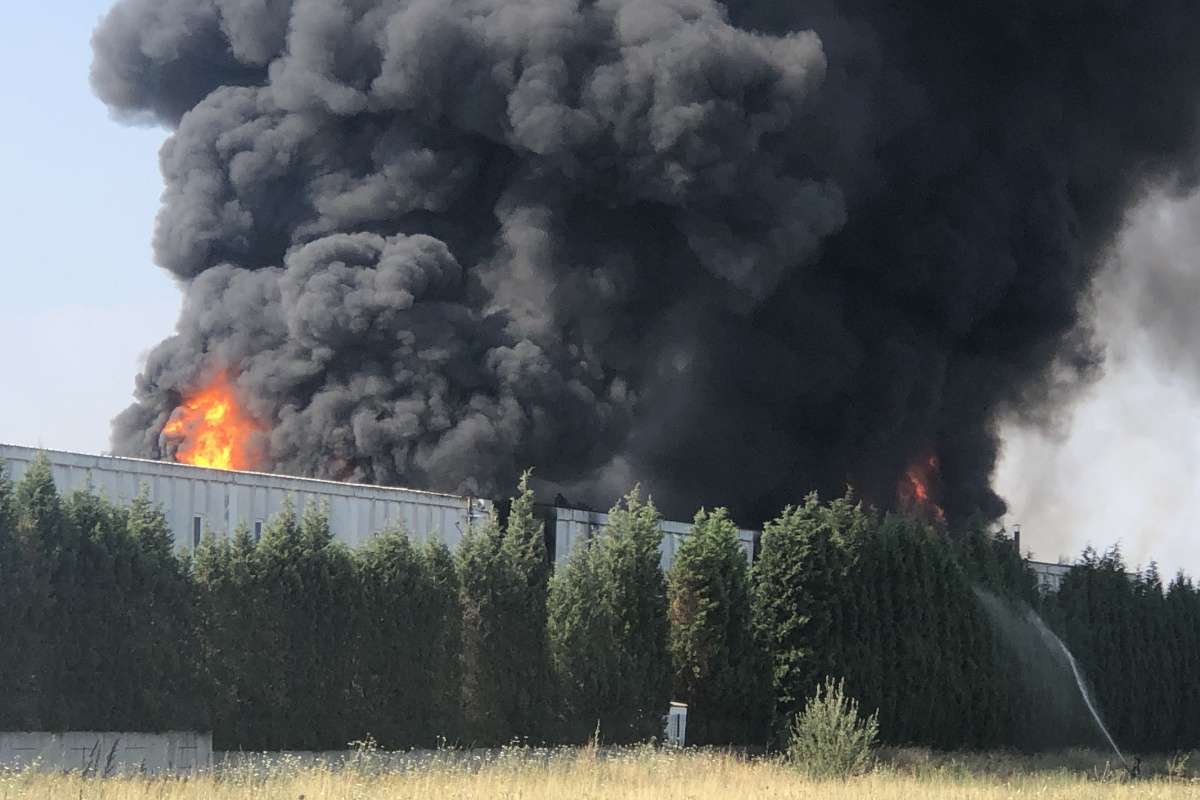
<point x="1139" y="644"/>
<point x="295" y="642"/>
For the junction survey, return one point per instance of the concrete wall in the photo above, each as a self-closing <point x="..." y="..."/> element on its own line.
<point x="107" y="753"/>
<point x="575" y="528"/>
<point x="221" y="499"/>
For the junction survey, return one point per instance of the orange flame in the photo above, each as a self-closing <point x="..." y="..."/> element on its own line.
<point x="915" y="489"/>
<point x="212" y="429"/>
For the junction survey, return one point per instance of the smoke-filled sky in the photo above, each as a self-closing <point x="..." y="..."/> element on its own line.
<point x="1123" y="464"/>
<point x="732" y="251"/>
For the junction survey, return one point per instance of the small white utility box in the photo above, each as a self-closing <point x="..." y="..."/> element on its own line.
<point x="677" y="725"/>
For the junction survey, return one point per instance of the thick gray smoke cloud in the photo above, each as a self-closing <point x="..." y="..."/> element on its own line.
<point x="734" y="251"/>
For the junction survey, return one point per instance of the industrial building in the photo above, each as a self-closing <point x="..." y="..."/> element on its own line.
<point x="200" y="501"/>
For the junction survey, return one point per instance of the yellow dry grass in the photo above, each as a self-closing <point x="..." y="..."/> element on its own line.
<point x="636" y="775"/>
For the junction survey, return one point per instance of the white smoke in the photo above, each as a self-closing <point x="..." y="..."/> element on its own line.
<point x="1124" y="467"/>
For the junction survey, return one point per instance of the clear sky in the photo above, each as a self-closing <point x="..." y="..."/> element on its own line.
<point x="81" y="303"/>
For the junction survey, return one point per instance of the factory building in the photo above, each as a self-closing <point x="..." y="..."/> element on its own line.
<point x="199" y="501"/>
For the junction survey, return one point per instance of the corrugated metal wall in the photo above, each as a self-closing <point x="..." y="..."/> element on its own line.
<point x="218" y="500"/>
<point x="575" y="528"/>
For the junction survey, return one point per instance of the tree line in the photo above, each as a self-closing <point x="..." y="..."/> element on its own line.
<point x="297" y="642"/>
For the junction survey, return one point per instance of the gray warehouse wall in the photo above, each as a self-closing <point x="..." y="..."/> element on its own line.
<point x="574" y="528"/>
<point x="218" y="500"/>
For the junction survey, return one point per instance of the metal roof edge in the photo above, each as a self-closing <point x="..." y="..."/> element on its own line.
<point x="186" y="468"/>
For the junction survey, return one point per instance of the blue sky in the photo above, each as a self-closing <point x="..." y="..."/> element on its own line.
<point x="80" y="301"/>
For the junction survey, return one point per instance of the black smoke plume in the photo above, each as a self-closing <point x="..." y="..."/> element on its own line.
<point x="737" y="251"/>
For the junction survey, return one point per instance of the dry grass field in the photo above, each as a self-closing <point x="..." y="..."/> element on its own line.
<point x="638" y="774"/>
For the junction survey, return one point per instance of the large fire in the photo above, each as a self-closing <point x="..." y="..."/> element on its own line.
<point x="212" y="429"/>
<point x="916" y="489"/>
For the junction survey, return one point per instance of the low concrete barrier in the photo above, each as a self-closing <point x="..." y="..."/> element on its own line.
<point x="107" y="753"/>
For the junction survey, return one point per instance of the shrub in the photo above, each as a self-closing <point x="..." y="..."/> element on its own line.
<point x="828" y="738"/>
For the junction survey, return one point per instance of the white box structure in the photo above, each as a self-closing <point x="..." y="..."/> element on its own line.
<point x="105" y="754"/>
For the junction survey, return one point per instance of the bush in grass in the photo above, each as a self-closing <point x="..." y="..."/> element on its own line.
<point x="828" y="738"/>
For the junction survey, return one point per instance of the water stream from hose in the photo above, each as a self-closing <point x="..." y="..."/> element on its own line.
<point x="1021" y="626"/>
<point x="1050" y="636"/>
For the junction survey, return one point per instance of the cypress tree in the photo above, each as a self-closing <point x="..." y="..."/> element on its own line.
<point x="53" y="630"/>
<point x="719" y="671"/>
<point x="99" y="691"/>
<point x="24" y="599"/>
<point x="162" y="651"/>
<point x="799" y="582"/>
<point x="505" y="573"/>
<point x="321" y="621"/>
<point x="609" y="629"/>
<point x="240" y="642"/>
<point x="276" y="577"/>
<point x="409" y="635"/>
<point x="442" y="647"/>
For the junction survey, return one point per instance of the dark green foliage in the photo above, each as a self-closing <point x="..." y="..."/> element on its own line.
<point x="161" y="644"/>
<point x="23" y="598"/>
<point x="800" y="583"/>
<point x="297" y="643"/>
<point x="1138" y="646"/>
<point x="609" y="630"/>
<point x="278" y="624"/>
<point x="235" y="640"/>
<point x="409" y="659"/>
<point x="307" y="601"/>
<point x="886" y="603"/>
<point x="829" y="738"/>
<point x="505" y="573"/>
<point x="99" y="633"/>
<point x="719" y="670"/>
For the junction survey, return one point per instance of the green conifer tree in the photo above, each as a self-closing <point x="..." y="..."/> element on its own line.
<point x="442" y="646"/>
<point x="609" y="629"/>
<point x="504" y="573"/>
<point x="799" y="579"/>
<point x="719" y="670"/>
<point x="23" y="598"/>
<point x="163" y="649"/>
<point x="409" y="635"/>
<point x="53" y="630"/>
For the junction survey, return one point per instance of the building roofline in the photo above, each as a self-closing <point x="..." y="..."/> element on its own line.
<point x="214" y="471"/>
